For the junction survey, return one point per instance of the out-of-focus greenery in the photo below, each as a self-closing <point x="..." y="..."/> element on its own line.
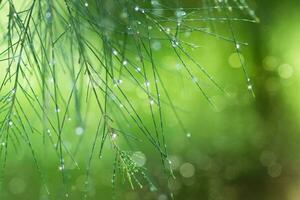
<point x="247" y="148"/>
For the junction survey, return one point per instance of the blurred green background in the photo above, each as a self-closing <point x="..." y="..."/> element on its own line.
<point x="246" y="149"/>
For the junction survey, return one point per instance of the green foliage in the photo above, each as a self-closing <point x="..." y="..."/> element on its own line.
<point x="72" y="65"/>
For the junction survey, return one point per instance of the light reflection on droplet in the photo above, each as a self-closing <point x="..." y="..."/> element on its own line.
<point x="114" y="136"/>
<point x="115" y="52"/>
<point x="188" y="135"/>
<point x="79" y="130"/>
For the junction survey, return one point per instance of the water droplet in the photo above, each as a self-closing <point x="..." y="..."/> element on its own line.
<point x="175" y="43"/>
<point x="168" y="30"/>
<point x="154" y="3"/>
<point x="138" y="69"/>
<point x="79" y="130"/>
<point x="86" y="4"/>
<point x="114" y="136"/>
<point x="188" y="135"/>
<point x="61" y="167"/>
<point x="48" y="15"/>
<point x="151" y="101"/>
<point x="249" y="87"/>
<point x="194" y="79"/>
<point x="180" y="13"/>
<point x="147" y="83"/>
<point x="51" y="62"/>
<point x="115" y="52"/>
<point x="119" y="81"/>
